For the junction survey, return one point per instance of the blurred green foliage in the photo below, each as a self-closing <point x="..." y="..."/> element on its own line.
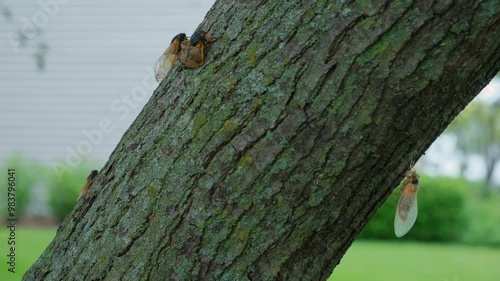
<point x="441" y="212"/>
<point x="64" y="189"/>
<point x="484" y="221"/>
<point x="27" y="174"/>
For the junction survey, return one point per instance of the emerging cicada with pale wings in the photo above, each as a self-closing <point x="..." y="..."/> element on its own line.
<point x="407" y="209"/>
<point x="189" y="52"/>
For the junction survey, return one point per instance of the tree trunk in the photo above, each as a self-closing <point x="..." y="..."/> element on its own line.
<point x="267" y="162"/>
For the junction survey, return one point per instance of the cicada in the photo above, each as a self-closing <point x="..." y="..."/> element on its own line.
<point x="190" y="53"/>
<point x="90" y="178"/>
<point x="167" y="60"/>
<point x="407" y="209"/>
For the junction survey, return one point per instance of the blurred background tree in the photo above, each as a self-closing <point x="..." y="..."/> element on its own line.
<point x="5" y="11"/>
<point x="38" y="45"/>
<point x="477" y="130"/>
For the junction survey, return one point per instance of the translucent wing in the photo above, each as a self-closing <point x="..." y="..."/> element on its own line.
<point x="167" y="60"/>
<point x="407" y="210"/>
<point x="165" y="63"/>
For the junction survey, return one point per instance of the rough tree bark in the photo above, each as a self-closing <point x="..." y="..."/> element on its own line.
<point x="268" y="161"/>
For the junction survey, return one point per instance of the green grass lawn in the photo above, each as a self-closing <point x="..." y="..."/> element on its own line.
<point x="365" y="260"/>
<point x="30" y="243"/>
<point x="375" y="260"/>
